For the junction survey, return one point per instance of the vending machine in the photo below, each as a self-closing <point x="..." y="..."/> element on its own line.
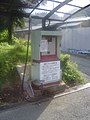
<point x="45" y="58"/>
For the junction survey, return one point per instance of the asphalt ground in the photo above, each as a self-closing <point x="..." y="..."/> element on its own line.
<point x="75" y="106"/>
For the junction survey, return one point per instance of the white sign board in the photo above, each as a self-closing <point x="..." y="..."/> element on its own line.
<point x="43" y="46"/>
<point x="50" y="71"/>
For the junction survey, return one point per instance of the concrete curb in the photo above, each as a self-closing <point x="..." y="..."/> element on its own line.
<point x="79" y="88"/>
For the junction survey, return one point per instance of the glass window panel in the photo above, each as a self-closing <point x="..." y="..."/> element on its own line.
<point x="49" y="5"/>
<point x="68" y="9"/>
<point x="59" y="16"/>
<point x="81" y="3"/>
<point x="40" y="13"/>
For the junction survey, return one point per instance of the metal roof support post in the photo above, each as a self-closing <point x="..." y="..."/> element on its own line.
<point x="43" y="23"/>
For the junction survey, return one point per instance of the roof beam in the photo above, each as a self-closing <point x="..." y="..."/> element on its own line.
<point x="36" y="6"/>
<point x="56" y="8"/>
<point x="38" y="17"/>
<point x="74" y="5"/>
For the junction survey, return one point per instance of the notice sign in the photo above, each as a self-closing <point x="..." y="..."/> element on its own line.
<point x="50" y="71"/>
<point x="43" y="46"/>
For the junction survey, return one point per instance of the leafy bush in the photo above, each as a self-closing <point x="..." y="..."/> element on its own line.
<point x="10" y="56"/>
<point x="4" y="35"/>
<point x="70" y="73"/>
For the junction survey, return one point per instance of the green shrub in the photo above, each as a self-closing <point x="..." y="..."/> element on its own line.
<point x="10" y="56"/>
<point x="70" y="73"/>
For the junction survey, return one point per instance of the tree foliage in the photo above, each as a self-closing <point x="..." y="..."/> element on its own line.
<point x="12" y="13"/>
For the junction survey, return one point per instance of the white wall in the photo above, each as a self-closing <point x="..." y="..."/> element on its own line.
<point x="76" y="38"/>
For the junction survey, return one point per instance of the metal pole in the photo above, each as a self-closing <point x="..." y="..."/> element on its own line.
<point x="26" y="55"/>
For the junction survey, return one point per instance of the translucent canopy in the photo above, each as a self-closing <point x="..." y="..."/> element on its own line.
<point x="40" y="13"/>
<point x="84" y="14"/>
<point x="68" y="9"/>
<point x="59" y="10"/>
<point x="48" y="6"/>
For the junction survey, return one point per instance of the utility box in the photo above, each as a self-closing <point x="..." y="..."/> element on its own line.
<point x="45" y="66"/>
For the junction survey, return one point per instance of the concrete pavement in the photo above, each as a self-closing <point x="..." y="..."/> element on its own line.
<point x="75" y="106"/>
